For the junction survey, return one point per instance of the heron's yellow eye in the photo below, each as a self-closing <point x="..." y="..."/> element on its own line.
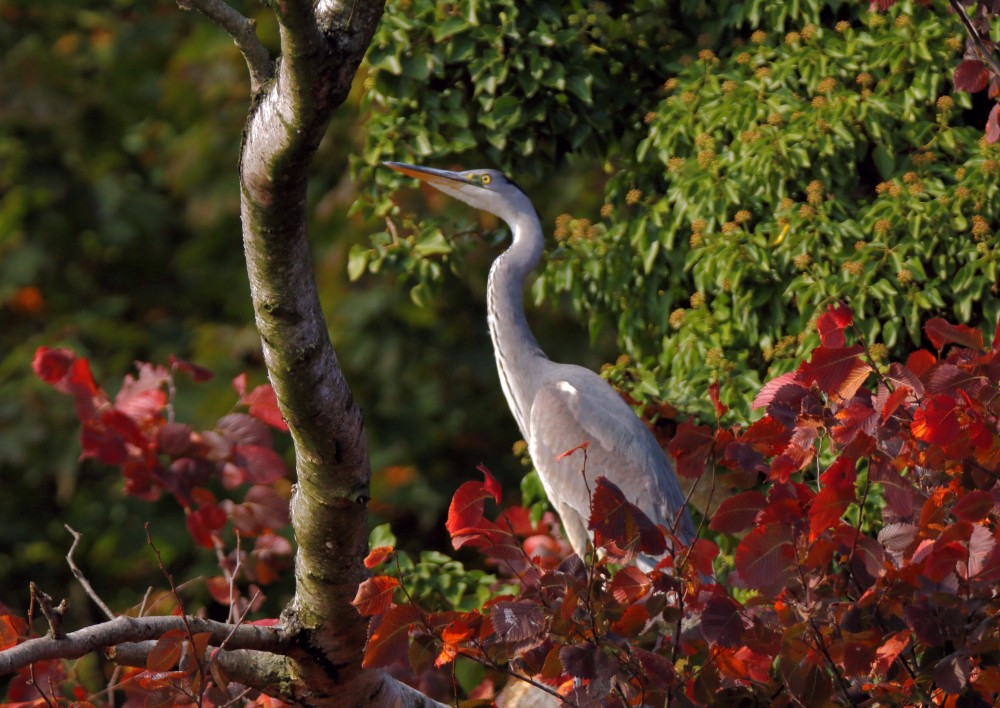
<point x="485" y="179"/>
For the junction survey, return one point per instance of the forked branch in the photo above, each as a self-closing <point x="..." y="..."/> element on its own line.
<point x="243" y="30"/>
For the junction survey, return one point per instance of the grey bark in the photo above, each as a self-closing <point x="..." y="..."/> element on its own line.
<point x="315" y="659"/>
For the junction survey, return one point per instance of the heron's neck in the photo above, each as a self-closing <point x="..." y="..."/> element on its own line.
<point x="517" y="352"/>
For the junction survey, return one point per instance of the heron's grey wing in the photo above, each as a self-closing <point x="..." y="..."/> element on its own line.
<point x="578" y="407"/>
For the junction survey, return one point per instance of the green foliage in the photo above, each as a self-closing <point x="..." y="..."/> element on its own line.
<point x="761" y="160"/>
<point x="436" y="580"/>
<point x="756" y="183"/>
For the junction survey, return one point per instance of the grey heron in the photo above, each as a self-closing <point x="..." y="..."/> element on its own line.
<point x="559" y="406"/>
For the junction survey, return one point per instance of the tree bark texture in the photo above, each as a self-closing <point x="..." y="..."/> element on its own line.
<point x="321" y="48"/>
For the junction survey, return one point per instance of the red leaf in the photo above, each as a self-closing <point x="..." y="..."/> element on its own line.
<point x="201" y="524"/>
<point x="52" y="365"/>
<point x="952" y="672"/>
<point x="263" y="508"/>
<point x="615" y="520"/>
<point x="837" y="371"/>
<point x="764" y="557"/>
<point x="690" y="447"/>
<point x="659" y="670"/>
<point x="166" y="652"/>
<point x="832" y="500"/>
<point x="388" y="641"/>
<point x="262" y="464"/>
<point x="894" y="401"/>
<point x="826" y="510"/>
<point x="263" y="404"/>
<point x="378" y="555"/>
<point x="993" y="124"/>
<point x="142" y="399"/>
<point x="974" y="506"/>
<point x="703" y="552"/>
<point x="768" y="435"/>
<point x="936" y="421"/>
<point x="240" y="384"/>
<point x="783" y="384"/>
<point x="832" y="323"/>
<point x="219" y="587"/>
<point x="588" y="661"/>
<point x="890" y="651"/>
<point x="490" y="484"/>
<point x="198" y="373"/>
<point x="920" y="361"/>
<point x="520" y="623"/>
<point x="721" y="621"/>
<point x="971" y="76"/>
<point x="713" y="393"/>
<point x="12" y="628"/>
<point x="466" y="508"/>
<point x="942" y="332"/>
<point x="632" y="621"/>
<point x="629" y="584"/>
<point x="738" y="513"/>
<point x="375" y="595"/>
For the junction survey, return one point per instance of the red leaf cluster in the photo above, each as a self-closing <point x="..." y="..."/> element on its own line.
<point x="866" y="546"/>
<point x="133" y="431"/>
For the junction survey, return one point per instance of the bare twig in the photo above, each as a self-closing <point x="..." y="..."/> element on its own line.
<point x="243" y="30"/>
<point x="82" y="578"/>
<point x="53" y="614"/>
<point x="180" y="603"/>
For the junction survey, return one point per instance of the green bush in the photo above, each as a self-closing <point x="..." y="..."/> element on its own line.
<point x="759" y="161"/>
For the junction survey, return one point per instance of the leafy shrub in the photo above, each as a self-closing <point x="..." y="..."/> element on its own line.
<point x="833" y="598"/>
<point x="770" y="160"/>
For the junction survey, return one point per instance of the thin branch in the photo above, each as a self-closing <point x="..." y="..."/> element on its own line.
<point x="82" y="578"/>
<point x="243" y="30"/>
<point x="53" y="614"/>
<point x="124" y="629"/>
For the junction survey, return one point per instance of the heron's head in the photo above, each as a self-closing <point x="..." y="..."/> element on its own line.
<point x="489" y="190"/>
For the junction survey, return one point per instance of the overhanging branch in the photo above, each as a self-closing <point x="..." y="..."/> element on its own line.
<point x="125" y="629"/>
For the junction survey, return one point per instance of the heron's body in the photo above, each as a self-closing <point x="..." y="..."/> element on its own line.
<point x="559" y="406"/>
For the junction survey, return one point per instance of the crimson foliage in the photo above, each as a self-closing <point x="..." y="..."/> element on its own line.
<point x="136" y="431"/>
<point x="866" y="565"/>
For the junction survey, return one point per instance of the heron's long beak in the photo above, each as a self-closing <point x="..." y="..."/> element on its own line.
<point x="437" y="178"/>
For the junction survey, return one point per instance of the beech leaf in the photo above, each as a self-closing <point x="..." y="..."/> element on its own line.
<point x="838" y="371"/>
<point x="467" y="505"/>
<point x="389" y="639"/>
<point x="375" y="595"/>
<point x="690" y="447"/>
<point x="518" y="622"/>
<point x="629" y="585"/>
<point x="941" y="333"/>
<point x="614" y="519"/>
<point x="738" y="513"/>
<point x="378" y="555"/>
<point x="936" y="421"/>
<point x="721" y="622"/>
<point x="764" y="556"/>
<point x="971" y="75"/>
<point x="832" y="323"/>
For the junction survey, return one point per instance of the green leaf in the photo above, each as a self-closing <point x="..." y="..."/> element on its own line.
<point x="381" y="536"/>
<point x="357" y="261"/>
<point x="884" y="160"/>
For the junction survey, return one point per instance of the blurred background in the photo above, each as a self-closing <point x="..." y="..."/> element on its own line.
<point x="120" y="238"/>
